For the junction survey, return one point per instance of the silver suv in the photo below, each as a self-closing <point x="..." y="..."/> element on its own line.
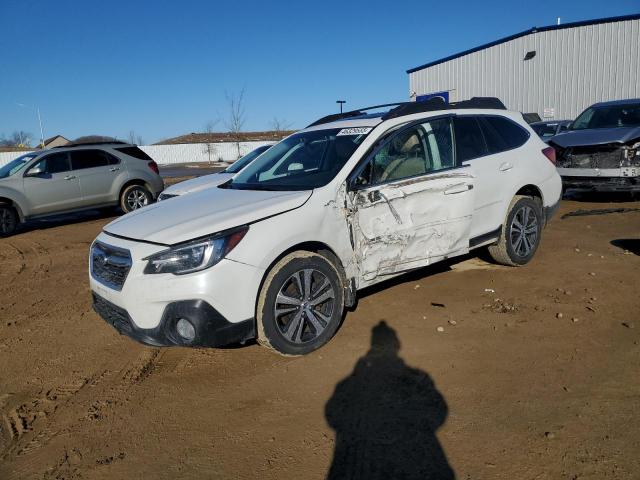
<point x="69" y="179"/>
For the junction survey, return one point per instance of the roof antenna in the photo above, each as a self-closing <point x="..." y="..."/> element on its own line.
<point x="558" y="20"/>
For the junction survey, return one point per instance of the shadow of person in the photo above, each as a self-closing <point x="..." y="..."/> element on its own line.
<point x="385" y="415"/>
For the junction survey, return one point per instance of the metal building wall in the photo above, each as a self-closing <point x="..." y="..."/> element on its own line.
<point x="573" y="68"/>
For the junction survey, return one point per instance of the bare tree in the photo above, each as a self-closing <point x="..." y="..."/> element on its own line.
<point x="236" y="119"/>
<point x="19" y="138"/>
<point x="279" y="125"/>
<point x="134" y="139"/>
<point x="209" y="146"/>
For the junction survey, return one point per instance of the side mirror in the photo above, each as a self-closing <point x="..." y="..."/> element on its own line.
<point x="295" y="166"/>
<point x="35" y="171"/>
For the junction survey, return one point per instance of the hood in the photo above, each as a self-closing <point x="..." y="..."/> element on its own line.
<point x="198" y="183"/>
<point x="596" y="136"/>
<point x="203" y="213"/>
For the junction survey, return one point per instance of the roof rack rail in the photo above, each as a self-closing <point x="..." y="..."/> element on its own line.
<point x="407" y="108"/>
<point x="85" y="144"/>
<point x="437" y="103"/>
<point x="352" y="113"/>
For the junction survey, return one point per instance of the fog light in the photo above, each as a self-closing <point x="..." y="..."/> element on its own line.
<point x="185" y="329"/>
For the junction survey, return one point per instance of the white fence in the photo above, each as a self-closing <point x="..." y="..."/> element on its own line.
<point x="182" y="153"/>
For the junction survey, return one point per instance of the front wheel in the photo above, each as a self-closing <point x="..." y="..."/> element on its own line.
<point x="134" y="197"/>
<point x="8" y="220"/>
<point x="521" y="232"/>
<point x="300" y="305"/>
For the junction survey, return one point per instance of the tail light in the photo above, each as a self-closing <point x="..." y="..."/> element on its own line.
<point x="154" y="166"/>
<point x="550" y="153"/>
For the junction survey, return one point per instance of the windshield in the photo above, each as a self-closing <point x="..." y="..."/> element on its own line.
<point x="302" y="161"/>
<point x="625" y="115"/>
<point x="14" y="166"/>
<point x="246" y="160"/>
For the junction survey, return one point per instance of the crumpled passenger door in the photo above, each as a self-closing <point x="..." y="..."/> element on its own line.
<point x="412" y="222"/>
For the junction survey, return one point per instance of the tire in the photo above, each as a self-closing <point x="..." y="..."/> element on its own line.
<point x="513" y="248"/>
<point x="297" y="326"/>
<point x="8" y="220"/>
<point x="134" y="197"/>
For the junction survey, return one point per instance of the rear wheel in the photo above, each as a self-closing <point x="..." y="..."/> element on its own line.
<point x="520" y="233"/>
<point x="8" y="220"/>
<point x="134" y="197"/>
<point x="300" y="305"/>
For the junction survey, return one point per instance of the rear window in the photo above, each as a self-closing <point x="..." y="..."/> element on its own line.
<point x="502" y="134"/>
<point x="81" y="159"/>
<point x="134" y="152"/>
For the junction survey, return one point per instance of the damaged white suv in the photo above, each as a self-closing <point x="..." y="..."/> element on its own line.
<point x="279" y="251"/>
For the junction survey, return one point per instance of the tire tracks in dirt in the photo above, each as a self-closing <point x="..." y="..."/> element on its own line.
<point x="31" y="426"/>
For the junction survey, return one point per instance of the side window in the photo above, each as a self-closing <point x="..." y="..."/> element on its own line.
<point x="420" y="149"/>
<point x="512" y="135"/>
<point x="439" y="140"/>
<point x="401" y="157"/>
<point x="134" y="152"/>
<point x="89" y="159"/>
<point x="469" y="139"/>
<point x="495" y="142"/>
<point x="54" y="163"/>
<point x="111" y="159"/>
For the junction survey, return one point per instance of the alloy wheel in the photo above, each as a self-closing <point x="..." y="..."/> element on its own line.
<point x="304" y="305"/>
<point x="524" y="231"/>
<point x="137" y="198"/>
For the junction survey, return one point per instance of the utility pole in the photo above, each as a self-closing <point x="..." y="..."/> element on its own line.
<point x="37" y="110"/>
<point x="341" y="102"/>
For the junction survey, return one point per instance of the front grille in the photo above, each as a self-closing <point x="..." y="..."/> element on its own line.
<point x="110" y="265"/>
<point x="592" y="157"/>
<point x="117" y="317"/>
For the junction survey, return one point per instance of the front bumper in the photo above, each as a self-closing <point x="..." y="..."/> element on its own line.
<point x="602" y="184"/>
<point x="145" y="306"/>
<point x="212" y="329"/>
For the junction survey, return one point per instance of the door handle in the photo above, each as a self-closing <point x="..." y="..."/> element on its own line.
<point x="70" y="177"/>
<point x="465" y="187"/>
<point x="114" y="169"/>
<point x="506" y="166"/>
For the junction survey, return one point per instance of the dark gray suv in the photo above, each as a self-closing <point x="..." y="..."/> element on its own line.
<point x="73" y="178"/>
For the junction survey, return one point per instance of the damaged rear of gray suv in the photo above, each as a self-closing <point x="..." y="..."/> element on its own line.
<point x="601" y="151"/>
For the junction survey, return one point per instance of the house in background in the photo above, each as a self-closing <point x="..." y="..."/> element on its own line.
<point x="56" y="141"/>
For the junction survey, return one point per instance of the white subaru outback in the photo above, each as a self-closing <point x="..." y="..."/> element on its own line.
<point x="279" y="251"/>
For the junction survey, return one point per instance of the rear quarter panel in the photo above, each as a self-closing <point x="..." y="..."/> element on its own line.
<point x="537" y="170"/>
<point x="139" y="170"/>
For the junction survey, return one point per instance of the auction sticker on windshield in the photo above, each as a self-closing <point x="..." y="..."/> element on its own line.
<point x="354" y="131"/>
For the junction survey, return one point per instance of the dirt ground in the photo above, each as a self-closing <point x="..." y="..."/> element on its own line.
<point x="534" y="373"/>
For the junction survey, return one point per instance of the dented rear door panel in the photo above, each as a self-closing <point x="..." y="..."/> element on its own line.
<point x="411" y="223"/>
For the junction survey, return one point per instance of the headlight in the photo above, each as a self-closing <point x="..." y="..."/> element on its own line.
<point x="195" y="255"/>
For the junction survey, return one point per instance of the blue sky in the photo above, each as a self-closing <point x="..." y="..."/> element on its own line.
<point x="162" y="68"/>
